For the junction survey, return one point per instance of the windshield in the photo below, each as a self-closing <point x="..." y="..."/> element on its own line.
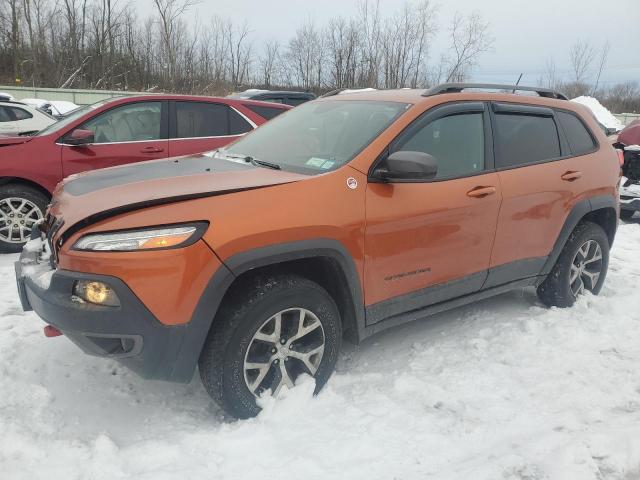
<point x="70" y="118"/>
<point x="319" y="136"/>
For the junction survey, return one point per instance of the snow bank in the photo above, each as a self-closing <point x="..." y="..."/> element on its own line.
<point x="604" y="116"/>
<point x="503" y="389"/>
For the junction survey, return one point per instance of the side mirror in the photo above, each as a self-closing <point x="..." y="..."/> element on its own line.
<point x="407" y="166"/>
<point x="79" y="137"/>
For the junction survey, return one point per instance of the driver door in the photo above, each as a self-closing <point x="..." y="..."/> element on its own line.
<point x="128" y="133"/>
<point x="427" y="241"/>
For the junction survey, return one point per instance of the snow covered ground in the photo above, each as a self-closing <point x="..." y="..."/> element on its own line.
<point x="504" y="389"/>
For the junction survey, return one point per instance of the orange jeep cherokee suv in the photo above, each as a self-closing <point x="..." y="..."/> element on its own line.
<point x="338" y="219"/>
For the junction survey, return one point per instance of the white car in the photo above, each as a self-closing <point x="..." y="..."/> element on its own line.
<point x="57" y="108"/>
<point x="18" y="118"/>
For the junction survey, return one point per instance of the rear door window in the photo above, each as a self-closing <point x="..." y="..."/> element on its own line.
<point x="456" y="142"/>
<point x="522" y="139"/>
<point x="579" y="138"/>
<point x="5" y="115"/>
<point x="201" y="119"/>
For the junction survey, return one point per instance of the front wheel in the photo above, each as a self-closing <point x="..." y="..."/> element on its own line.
<point x="582" y="266"/>
<point x="21" y="206"/>
<point x="267" y="334"/>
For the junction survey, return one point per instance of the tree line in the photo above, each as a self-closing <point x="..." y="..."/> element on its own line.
<point x="108" y="44"/>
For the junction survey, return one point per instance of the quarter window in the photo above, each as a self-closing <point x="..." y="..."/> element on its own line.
<point x="580" y="140"/>
<point x="128" y="123"/>
<point x="456" y="142"/>
<point x="524" y="139"/>
<point x="21" y="114"/>
<point x="265" y="112"/>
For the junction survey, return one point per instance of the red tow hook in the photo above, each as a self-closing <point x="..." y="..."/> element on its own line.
<point x="51" y="331"/>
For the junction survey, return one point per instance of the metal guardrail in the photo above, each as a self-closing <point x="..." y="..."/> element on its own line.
<point x="77" y="96"/>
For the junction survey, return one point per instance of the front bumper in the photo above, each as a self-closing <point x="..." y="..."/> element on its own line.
<point x="129" y="333"/>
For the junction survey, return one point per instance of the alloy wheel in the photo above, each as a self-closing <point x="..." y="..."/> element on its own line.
<point x="17" y="218"/>
<point x="586" y="268"/>
<point x="288" y="344"/>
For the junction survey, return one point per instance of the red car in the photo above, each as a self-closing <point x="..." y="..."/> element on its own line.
<point x="109" y="133"/>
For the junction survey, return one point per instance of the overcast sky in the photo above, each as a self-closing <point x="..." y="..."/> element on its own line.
<point x="526" y="32"/>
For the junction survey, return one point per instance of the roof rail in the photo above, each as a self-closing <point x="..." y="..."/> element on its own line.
<point x="458" y="87"/>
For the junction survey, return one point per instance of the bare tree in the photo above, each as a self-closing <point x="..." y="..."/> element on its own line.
<point x="268" y="62"/>
<point x="581" y="56"/>
<point x="470" y="38"/>
<point x="604" y="55"/>
<point x="170" y="12"/>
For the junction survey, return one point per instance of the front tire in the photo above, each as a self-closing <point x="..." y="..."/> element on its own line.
<point x="266" y="334"/>
<point x="582" y="265"/>
<point x="21" y="206"/>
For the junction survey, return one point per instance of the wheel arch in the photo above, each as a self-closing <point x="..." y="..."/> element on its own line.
<point x="25" y="181"/>
<point x="601" y="210"/>
<point x="324" y="261"/>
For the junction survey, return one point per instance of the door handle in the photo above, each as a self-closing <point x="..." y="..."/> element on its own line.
<point x="152" y="150"/>
<point x="571" y="175"/>
<point x="481" y="192"/>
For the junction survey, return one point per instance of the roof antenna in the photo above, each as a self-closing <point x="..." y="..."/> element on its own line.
<point x="515" y="87"/>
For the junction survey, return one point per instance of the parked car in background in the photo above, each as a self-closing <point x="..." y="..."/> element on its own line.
<point x="55" y="108"/>
<point x="17" y="118"/>
<point x="110" y="133"/>
<point x="346" y="216"/>
<point x="629" y="142"/>
<point x="286" y="97"/>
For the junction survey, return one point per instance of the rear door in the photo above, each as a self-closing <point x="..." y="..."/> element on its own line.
<point x="541" y="181"/>
<point x="429" y="241"/>
<point x="128" y="133"/>
<point x="197" y="127"/>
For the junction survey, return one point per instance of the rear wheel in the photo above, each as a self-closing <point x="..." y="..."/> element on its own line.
<point x="265" y="336"/>
<point x="582" y="266"/>
<point x="21" y="206"/>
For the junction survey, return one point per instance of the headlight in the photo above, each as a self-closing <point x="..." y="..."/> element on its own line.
<point x="144" y="239"/>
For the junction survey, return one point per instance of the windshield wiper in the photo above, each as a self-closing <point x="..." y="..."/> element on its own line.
<point x="254" y="161"/>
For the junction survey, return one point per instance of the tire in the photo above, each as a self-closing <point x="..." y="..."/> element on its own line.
<point x="34" y="207"/>
<point x="627" y="214"/>
<point x="558" y="290"/>
<point x="252" y="310"/>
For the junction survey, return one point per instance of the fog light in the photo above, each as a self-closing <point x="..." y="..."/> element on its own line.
<point x="96" y="292"/>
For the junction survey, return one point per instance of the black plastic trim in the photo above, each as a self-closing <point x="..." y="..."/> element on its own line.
<point x="459" y="87"/>
<point x="577" y="213"/>
<point x="424" y="297"/>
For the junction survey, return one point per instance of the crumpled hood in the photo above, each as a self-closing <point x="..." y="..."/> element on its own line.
<point x="86" y="198"/>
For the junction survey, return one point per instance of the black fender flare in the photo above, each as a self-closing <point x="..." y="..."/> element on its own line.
<point x="578" y="212"/>
<point x="203" y="316"/>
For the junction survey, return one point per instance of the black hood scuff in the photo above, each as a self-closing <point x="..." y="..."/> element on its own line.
<point x="154" y="170"/>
